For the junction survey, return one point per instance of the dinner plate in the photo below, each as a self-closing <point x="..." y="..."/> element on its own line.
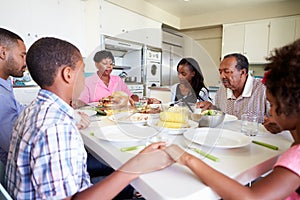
<point x="87" y="112"/>
<point x="124" y="133"/>
<point x="229" y="118"/>
<point x="216" y="137"/>
<point x="130" y="118"/>
<point x="174" y="131"/>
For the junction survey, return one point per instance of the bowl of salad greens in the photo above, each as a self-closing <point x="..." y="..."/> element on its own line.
<point x="209" y="118"/>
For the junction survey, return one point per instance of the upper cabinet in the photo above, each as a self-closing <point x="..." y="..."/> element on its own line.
<point x="258" y="38"/>
<point x="233" y="39"/>
<point x="282" y="32"/>
<point x="297" y="33"/>
<point x="256" y="41"/>
<point x="121" y="23"/>
<point x="33" y="19"/>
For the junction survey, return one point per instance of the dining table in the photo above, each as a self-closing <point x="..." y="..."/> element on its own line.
<point x="243" y="163"/>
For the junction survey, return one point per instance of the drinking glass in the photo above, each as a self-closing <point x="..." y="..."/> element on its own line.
<point x="249" y="124"/>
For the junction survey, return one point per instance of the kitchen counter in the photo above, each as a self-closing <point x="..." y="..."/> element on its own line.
<point x="162" y="88"/>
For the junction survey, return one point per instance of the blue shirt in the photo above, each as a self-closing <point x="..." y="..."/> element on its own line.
<point x="46" y="158"/>
<point x="9" y="112"/>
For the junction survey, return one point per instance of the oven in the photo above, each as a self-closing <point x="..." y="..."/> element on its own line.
<point x="152" y="68"/>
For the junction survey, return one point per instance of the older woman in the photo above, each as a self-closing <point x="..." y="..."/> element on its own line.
<point x="102" y="83"/>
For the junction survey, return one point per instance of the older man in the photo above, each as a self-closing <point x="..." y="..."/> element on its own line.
<point x="240" y="93"/>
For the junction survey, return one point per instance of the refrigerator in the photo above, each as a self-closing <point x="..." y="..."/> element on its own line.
<point x="171" y="55"/>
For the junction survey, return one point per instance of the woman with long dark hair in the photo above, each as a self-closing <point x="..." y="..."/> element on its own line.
<point x="191" y="82"/>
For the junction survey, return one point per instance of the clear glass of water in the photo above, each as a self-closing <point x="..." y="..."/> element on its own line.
<point x="249" y="124"/>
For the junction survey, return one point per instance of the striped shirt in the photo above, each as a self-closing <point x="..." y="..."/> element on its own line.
<point x="253" y="99"/>
<point x="46" y="157"/>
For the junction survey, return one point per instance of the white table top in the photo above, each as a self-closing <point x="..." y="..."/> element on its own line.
<point x="178" y="182"/>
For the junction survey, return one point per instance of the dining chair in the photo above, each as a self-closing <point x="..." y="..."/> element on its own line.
<point x="2" y="172"/>
<point x="3" y="193"/>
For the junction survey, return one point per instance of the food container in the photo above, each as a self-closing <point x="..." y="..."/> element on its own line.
<point x="130" y="79"/>
<point x="208" y="120"/>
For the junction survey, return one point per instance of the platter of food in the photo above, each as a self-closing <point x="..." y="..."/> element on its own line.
<point x="174" y="121"/>
<point x="129" y="118"/>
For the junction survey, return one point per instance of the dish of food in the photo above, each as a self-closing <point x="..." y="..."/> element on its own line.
<point x="130" y="118"/>
<point x="215" y="137"/>
<point x="150" y="109"/>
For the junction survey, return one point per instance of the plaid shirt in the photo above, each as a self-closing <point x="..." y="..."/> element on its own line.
<point x="46" y="157"/>
<point x="253" y="99"/>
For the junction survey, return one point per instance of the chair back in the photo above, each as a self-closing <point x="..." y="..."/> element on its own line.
<point x="3" y="193"/>
<point x="2" y="172"/>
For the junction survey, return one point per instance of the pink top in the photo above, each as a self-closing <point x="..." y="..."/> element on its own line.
<point x="95" y="89"/>
<point x="291" y="160"/>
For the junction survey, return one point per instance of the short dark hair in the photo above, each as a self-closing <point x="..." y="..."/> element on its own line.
<point x="100" y="55"/>
<point x="283" y="78"/>
<point x="8" y="38"/>
<point x="47" y="55"/>
<point x="242" y="61"/>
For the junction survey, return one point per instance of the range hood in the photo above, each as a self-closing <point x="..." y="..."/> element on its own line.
<point x="120" y="47"/>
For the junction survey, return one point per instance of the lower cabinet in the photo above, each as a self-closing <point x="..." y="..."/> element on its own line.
<point x="25" y="95"/>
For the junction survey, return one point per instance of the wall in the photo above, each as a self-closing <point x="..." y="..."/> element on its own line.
<point x="205" y="46"/>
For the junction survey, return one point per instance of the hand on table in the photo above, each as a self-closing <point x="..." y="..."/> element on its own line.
<point x="204" y="105"/>
<point x="153" y="101"/>
<point x="176" y="153"/>
<point x="152" y="158"/>
<point x="82" y="120"/>
<point x="271" y="125"/>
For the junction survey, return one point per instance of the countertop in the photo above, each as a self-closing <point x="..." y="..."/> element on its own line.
<point x="168" y="88"/>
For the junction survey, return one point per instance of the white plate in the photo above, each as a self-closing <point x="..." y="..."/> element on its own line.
<point x="129" y="118"/>
<point x="124" y="133"/>
<point x="215" y="137"/>
<point x="87" y="112"/>
<point x="175" y="131"/>
<point x="229" y="118"/>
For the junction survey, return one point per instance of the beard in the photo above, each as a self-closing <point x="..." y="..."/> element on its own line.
<point x="13" y="68"/>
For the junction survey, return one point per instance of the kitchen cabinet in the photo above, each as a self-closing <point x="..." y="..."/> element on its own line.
<point x="33" y="19"/>
<point x="250" y="39"/>
<point x="124" y="24"/>
<point x="282" y="32"/>
<point x="297" y="32"/>
<point x="233" y="39"/>
<point x="256" y="39"/>
<point x="24" y="95"/>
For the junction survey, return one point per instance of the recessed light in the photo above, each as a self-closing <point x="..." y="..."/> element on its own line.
<point x="186" y="0"/>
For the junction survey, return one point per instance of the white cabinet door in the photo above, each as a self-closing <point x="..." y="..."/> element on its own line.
<point x="233" y="39"/>
<point x="33" y="19"/>
<point x="121" y="23"/>
<point x="282" y="32"/>
<point x="256" y="41"/>
<point x="24" y="95"/>
<point x="297" y="32"/>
